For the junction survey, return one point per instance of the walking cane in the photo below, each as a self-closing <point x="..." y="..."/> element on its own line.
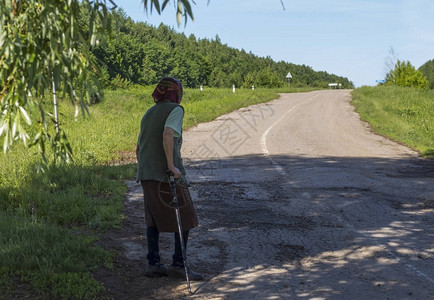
<point x="178" y="219"/>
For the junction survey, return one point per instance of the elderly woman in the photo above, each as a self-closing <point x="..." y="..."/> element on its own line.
<point x="158" y="150"/>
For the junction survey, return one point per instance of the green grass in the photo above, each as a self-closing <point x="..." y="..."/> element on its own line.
<point x="404" y="114"/>
<point x="53" y="259"/>
<point x="207" y="105"/>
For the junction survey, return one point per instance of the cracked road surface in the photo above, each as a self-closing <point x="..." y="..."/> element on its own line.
<point x="296" y="198"/>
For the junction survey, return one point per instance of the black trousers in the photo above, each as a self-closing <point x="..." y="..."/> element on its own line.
<point x="153" y="256"/>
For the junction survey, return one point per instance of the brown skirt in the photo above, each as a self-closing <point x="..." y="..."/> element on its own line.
<point x="159" y="209"/>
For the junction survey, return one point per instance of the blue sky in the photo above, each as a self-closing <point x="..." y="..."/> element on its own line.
<point x="349" y="38"/>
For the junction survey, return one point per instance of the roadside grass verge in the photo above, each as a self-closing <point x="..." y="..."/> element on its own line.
<point x="406" y="115"/>
<point x="48" y="224"/>
<point x="207" y="105"/>
<point x="55" y="260"/>
<point x="49" y="221"/>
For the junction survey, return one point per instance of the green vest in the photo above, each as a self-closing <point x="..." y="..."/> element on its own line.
<point x="152" y="162"/>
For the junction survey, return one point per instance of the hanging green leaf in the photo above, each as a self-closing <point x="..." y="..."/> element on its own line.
<point x="42" y="41"/>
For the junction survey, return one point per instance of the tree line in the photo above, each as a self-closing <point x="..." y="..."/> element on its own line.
<point x="138" y="53"/>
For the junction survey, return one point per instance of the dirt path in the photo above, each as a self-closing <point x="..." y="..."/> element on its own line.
<point x="296" y="199"/>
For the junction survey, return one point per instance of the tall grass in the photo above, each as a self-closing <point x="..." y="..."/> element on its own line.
<point x="403" y="114"/>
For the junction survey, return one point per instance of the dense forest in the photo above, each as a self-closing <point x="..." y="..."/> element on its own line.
<point x="138" y="53"/>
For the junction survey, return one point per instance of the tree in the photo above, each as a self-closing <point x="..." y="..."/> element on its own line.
<point x="183" y="8"/>
<point x="427" y="69"/>
<point x="249" y="80"/>
<point x="404" y="74"/>
<point x="267" y="78"/>
<point x="40" y="43"/>
<point x="390" y="60"/>
<point x="42" y="49"/>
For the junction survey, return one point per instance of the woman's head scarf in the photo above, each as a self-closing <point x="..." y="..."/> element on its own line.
<point x="169" y="88"/>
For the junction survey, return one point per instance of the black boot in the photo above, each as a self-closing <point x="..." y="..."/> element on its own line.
<point x="179" y="271"/>
<point x="154" y="268"/>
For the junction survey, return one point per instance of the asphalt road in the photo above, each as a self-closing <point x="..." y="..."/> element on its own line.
<point x="298" y="198"/>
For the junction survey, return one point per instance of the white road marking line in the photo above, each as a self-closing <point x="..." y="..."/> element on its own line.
<point x="264" y="147"/>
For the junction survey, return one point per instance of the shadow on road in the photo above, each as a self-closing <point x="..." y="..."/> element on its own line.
<point x="323" y="228"/>
<point x="330" y="227"/>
